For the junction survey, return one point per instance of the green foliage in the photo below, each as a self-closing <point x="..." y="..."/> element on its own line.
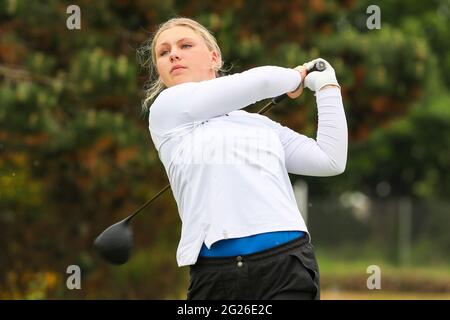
<point x="97" y="73"/>
<point x="410" y="154"/>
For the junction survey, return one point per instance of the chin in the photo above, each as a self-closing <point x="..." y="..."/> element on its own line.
<point x="180" y="80"/>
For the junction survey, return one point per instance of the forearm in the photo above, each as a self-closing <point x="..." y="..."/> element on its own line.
<point x="327" y="155"/>
<point x="222" y="95"/>
<point x="332" y="134"/>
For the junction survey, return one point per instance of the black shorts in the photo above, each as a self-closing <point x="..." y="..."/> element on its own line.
<point x="288" y="271"/>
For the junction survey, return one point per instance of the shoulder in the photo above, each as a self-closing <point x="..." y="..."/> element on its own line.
<point x="173" y="93"/>
<point x="171" y="97"/>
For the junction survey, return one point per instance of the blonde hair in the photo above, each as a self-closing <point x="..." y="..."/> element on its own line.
<point x="147" y="56"/>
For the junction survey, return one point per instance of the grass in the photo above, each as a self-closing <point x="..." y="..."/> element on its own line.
<point x="337" y="267"/>
<point x="344" y="278"/>
<point x="381" y="295"/>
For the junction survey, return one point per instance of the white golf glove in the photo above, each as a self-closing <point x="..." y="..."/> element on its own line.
<point x="316" y="80"/>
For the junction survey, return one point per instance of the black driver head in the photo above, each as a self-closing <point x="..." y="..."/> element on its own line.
<point x="115" y="243"/>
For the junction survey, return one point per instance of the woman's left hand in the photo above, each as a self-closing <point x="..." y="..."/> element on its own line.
<point x="303" y="72"/>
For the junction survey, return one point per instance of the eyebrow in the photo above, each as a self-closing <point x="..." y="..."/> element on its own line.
<point x="182" y="39"/>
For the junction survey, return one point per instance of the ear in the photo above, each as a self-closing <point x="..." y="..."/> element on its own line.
<point x="214" y="59"/>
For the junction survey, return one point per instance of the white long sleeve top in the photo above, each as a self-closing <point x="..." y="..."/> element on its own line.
<point x="228" y="168"/>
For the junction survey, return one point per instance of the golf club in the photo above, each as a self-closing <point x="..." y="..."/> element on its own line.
<point x="115" y="243"/>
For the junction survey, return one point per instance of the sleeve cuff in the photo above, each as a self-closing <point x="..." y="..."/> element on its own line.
<point x="328" y="92"/>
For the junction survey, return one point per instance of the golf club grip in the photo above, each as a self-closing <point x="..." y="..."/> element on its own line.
<point x="318" y="66"/>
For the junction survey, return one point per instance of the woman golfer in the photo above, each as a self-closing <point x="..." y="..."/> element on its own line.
<point x="242" y="233"/>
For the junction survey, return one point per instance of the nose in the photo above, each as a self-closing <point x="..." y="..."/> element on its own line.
<point x="174" y="56"/>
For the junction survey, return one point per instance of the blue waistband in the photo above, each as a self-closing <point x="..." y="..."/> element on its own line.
<point x="250" y="244"/>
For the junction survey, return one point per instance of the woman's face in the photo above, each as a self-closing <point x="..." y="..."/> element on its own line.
<point x="182" y="56"/>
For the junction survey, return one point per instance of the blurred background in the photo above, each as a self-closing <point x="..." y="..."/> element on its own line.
<point x="76" y="155"/>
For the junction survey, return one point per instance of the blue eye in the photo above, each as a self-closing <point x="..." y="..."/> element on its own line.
<point x="186" y="45"/>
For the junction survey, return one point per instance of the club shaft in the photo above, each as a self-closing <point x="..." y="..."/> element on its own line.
<point x="148" y="202"/>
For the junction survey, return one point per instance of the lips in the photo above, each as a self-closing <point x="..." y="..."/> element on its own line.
<point x="178" y="66"/>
